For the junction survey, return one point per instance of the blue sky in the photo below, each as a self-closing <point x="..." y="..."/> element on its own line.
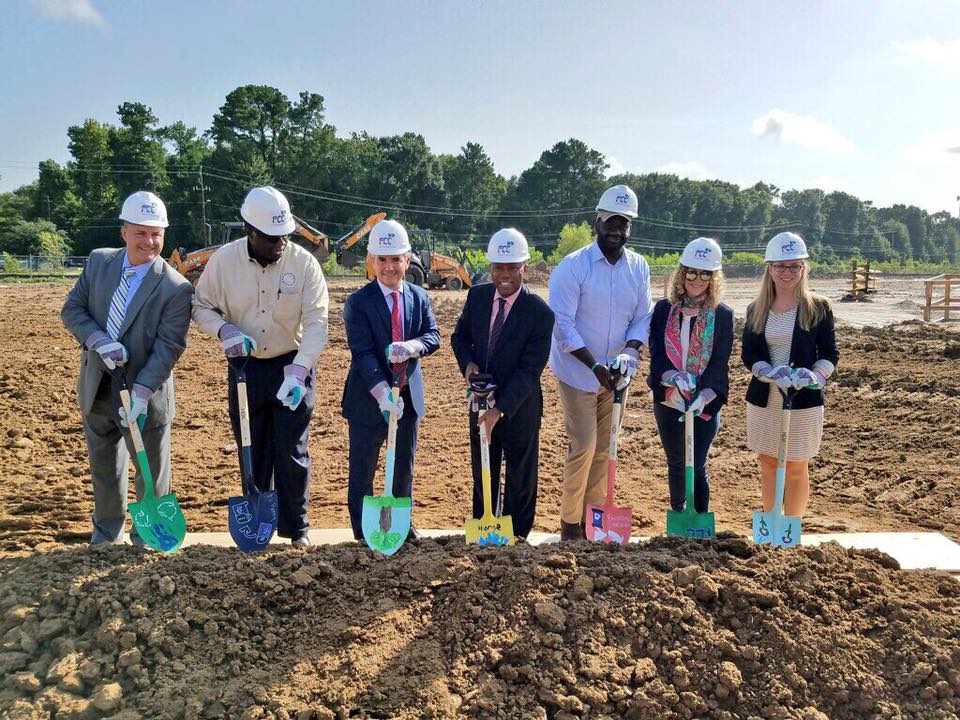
<point x="857" y="96"/>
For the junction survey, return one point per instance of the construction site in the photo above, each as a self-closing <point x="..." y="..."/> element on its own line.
<point x="664" y="628"/>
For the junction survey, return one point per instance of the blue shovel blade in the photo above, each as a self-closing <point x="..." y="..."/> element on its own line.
<point x="786" y="531"/>
<point x="252" y="519"/>
<point x="385" y="522"/>
<point x="763" y="524"/>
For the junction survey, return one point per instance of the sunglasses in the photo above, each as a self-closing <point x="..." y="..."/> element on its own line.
<point x="701" y="274"/>
<point x="781" y="268"/>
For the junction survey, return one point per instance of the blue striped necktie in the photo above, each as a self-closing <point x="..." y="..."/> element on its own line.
<point x="118" y="305"/>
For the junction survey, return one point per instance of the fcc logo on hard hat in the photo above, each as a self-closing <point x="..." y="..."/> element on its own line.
<point x="386" y="240"/>
<point x="703" y="252"/>
<point x="622" y="199"/>
<point x="789" y="246"/>
<point x="281" y="218"/>
<point x="149" y="209"/>
<point x="505" y="248"/>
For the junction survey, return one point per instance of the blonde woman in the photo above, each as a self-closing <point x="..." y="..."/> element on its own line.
<point x="691" y="335"/>
<point x="788" y="340"/>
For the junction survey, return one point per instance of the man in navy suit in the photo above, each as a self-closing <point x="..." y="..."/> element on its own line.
<point x="504" y="330"/>
<point x="390" y="325"/>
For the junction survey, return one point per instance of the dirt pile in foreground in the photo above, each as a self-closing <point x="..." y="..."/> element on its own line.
<point x="668" y="629"/>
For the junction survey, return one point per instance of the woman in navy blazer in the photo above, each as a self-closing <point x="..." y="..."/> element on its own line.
<point x="691" y="335"/>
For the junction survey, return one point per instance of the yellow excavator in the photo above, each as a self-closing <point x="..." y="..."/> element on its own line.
<point x="426" y="265"/>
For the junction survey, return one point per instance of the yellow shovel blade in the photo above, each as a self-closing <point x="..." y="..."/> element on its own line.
<point x="489" y="530"/>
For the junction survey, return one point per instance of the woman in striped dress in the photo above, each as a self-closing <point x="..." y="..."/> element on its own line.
<point x="788" y="341"/>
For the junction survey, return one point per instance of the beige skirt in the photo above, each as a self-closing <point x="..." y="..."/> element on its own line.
<point x="763" y="428"/>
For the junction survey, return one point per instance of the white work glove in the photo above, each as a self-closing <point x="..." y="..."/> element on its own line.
<point x="626" y="365"/>
<point x="386" y="403"/>
<point x="398" y="352"/>
<point x="139" y="395"/>
<point x="292" y="389"/>
<point x="803" y="378"/>
<point x="234" y="342"/>
<point x="696" y="406"/>
<point x="680" y="379"/>
<point x="110" y="351"/>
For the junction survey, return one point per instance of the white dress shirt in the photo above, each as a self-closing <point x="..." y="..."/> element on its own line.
<point x="598" y="306"/>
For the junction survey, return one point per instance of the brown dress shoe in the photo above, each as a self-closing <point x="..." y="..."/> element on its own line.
<point x="570" y="531"/>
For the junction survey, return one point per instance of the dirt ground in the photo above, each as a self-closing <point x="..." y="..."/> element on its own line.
<point x="888" y="459"/>
<point x="671" y="629"/>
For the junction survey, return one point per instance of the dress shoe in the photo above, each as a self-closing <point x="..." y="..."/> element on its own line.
<point x="571" y="531"/>
<point x="302" y="541"/>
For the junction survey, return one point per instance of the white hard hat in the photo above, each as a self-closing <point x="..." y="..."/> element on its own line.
<point x="508" y="246"/>
<point x="703" y="254"/>
<point x="618" y="200"/>
<point x="144" y="208"/>
<point x="268" y="210"/>
<point x="785" y="246"/>
<point x="388" y="237"/>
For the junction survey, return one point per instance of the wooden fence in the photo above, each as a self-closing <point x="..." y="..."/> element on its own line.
<point x="948" y="301"/>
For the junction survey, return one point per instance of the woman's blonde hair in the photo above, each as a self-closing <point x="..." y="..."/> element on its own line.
<point x="676" y="291"/>
<point x="810" y="306"/>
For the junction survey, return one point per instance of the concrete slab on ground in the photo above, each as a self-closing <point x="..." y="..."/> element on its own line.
<point x="913" y="550"/>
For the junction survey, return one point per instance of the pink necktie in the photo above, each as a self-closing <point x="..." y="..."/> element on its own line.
<point x="396" y="335"/>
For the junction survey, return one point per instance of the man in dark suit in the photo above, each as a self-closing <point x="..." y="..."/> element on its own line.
<point x="504" y="330"/>
<point x="390" y="325"/>
<point x="130" y="312"/>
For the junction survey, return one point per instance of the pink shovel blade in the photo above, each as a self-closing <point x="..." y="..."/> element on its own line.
<point x="608" y="523"/>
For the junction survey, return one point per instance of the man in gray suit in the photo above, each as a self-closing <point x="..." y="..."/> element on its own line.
<point x="130" y="312"/>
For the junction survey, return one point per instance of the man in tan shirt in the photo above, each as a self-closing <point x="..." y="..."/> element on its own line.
<point x="265" y="297"/>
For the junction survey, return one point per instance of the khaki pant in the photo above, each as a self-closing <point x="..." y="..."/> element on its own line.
<point x="587" y="418"/>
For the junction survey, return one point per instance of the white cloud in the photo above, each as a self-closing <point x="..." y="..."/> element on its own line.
<point x="803" y="130"/>
<point x="827" y="184"/>
<point x="616" y="167"/>
<point x="932" y="51"/>
<point x="939" y="149"/>
<point x="70" y="10"/>
<point x="692" y="170"/>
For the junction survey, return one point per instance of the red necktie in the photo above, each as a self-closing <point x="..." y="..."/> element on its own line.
<point x="396" y="335"/>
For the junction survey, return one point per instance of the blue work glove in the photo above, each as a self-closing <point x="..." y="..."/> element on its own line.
<point x="293" y="388"/>
<point x="804" y="378"/>
<point x="234" y="342"/>
<point x="139" y="395"/>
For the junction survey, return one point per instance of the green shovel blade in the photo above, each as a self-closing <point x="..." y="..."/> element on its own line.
<point x="159" y="522"/>
<point x="689" y="523"/>
<point x="385" y="522"/>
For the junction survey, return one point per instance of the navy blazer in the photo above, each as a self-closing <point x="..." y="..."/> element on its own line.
<point x="714" y="376"/>
<point x="806" y="347"/>
<point x="367" y="322"/>
<point x="521" y="353"/>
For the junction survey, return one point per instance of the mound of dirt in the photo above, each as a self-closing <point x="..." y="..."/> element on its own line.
<point x="668" y="629"/>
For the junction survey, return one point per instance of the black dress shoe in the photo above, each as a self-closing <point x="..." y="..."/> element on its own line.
<point x="571" y="531"/>
<point x="414" y="534"/>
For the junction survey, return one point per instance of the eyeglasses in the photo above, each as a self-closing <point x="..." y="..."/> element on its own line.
<point x="692" y="275"/>
<point x="781" y="268"/>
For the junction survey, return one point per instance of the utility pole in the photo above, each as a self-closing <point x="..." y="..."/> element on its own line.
<point x="203" y="209"/>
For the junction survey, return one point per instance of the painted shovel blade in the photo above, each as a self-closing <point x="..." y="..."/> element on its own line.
<point x="608" y="523"/>
<point x="786" y="531"/>
<point x="159" y="522"/>
<point x="489" y="530"/>
<point x="689" y="523"/>
<point x="385" y="522"/>
<point x="763" y="523"/>
<point x="252" y="519"/>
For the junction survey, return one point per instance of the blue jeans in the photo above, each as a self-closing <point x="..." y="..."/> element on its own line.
<point x="671" y="436"/>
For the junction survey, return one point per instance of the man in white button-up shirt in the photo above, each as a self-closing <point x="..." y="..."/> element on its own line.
<point x="600" y="295"/>
<point x="265" y="297"/>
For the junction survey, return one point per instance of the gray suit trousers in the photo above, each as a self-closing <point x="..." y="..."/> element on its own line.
<point x="110" y="450"/>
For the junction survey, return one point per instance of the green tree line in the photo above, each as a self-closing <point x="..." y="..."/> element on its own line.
<point x="259" y="135"/>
